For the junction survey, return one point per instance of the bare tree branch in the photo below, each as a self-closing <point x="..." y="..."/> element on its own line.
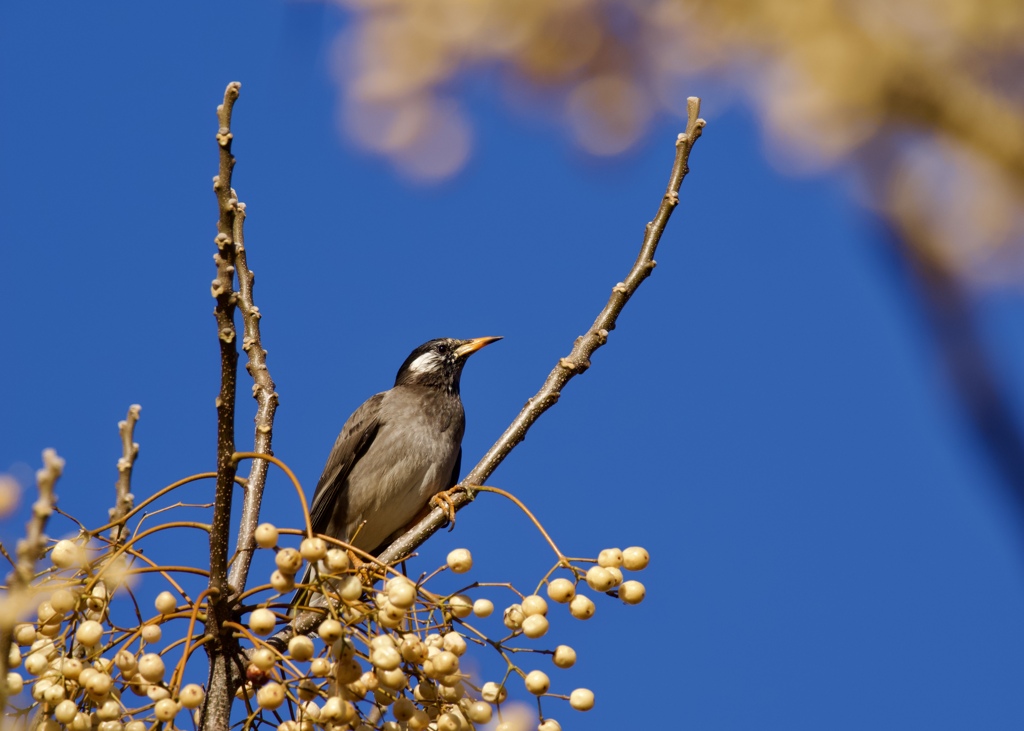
<point x="222" y="646"/>
<point x="578" y="359"/>
<point x="266" y="399"/>
<point x="125" y="501"/>
<point x="29" y="550"/>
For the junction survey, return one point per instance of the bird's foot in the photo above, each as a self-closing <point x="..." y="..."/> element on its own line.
<point x="446" y="501"/>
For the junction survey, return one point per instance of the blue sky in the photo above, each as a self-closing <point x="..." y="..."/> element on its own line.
<point x="771" y="418"/>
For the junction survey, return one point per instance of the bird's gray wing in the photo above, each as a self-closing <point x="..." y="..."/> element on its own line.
<point x="454" y="479"/>
<point x="355" y="438"/>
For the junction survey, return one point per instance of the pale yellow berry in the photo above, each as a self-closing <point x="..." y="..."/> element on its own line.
<point x="307" y="689"/>
<point x="86" y="674"/>
<point x="165" y="710"/>
<point x="300" y="648"/>
<point x="616" y="575"/>
<point x="337" y="560"/>
<point x="263" y="658"/>
<point x="309" y="711"/>
<point x="125" y="662"/>
<point x="445" y="663"/>
<point x="460" y="560"/>
<point x="581" y="607"/>
<point x="600" y="579"/>
<point x="404" y="709"/>
<point x="89" y="633"/>
<point x="561" y="590"/>
<point x="112" y="725"/>
<point x="25" y="634"/>
<point x="448" y="722"/>
<point x="36" y="663"/>
<point x="413" y="650"/>
<point x="385" y="658"/>
<point x="282" y="583"/>
<point x="165" y="602"/>
<point x="455" y="643"/>
<point x="581" y="699"/>
<point x="270" y="696"/>
<point x="331" y="710"/>
<point x="461" y="606"/>
<point x="350" y="589"/>
<point x="262" y="621"/>
<point x="42" y="685"/>
<point x="483" y="608"/>
<point x="401" y="592"/>
<point x="632" y="592"/>
<point x="425" y="691"/>
<point x="266" y="535"/>
<point x="14" y="683"/>
<point x="564" y="657"/>
<point x="109" y="711"/>
<point x="313" y="549"/>
<point x="635" y="558"/>
<point x="534" y="604"/>
<point x="14" y="657"/>
<point x="191" y="696"/>
<point x="66" y="554"/>
<point x="537" y="682"/>
<point x="288" y="561"/>
<point x="46" y="648"/>
<point x="347" y="671"/>
<point x="369" y="681"/>
<point x="479" y="712"/>
<point x="330" y="630"/>
<point x="549" y="724"/>
<point x="320" y="667"/>
<point x="513" y="616"/>
<point x="610" y="557"/>
<point x="63" y="601"/>
<point x="493" y="693"/>
<point x="152" y="633"/>
<point x="47" y="613"/>
<point x="151" y="667"/>
<point x="419" y="721"/>
<point x="65" y="711"/>
<point x="534" y="626"/>
<point x="137" y="726"/>
<point x="343" y="649"/>
<point x="82" y="722"/>
<point x="393" y="679"/>
<point x="54" y="694"/>
<point x="98" y="685"/>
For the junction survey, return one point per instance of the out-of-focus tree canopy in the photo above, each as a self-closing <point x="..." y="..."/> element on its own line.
<point x="923" y="97"/>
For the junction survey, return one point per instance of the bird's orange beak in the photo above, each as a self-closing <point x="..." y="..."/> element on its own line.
<point x="469" y="347"/>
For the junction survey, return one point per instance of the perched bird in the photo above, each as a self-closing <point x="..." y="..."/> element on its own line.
<point x="397" y="450"/>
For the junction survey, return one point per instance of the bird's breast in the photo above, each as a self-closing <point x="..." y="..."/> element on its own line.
<point x="410" y="460"/>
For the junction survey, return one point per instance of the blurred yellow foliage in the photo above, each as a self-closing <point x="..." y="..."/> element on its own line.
<point x="923" y="95"/>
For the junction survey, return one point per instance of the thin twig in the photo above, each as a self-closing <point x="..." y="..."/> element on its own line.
<point x="129" y="452"/>
<point x="266" y="400"/>
<point x="578" y="359"/>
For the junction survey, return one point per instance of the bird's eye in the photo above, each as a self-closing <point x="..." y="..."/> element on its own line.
<point x="442" y="348"/>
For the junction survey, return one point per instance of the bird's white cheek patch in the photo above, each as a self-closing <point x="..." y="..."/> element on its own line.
<point x="426" y="362"/>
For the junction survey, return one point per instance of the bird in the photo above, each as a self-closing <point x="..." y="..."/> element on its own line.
<point x="396" y="451"/>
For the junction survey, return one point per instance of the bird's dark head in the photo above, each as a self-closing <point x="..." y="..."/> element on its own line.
<point x="439" y="363"/>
